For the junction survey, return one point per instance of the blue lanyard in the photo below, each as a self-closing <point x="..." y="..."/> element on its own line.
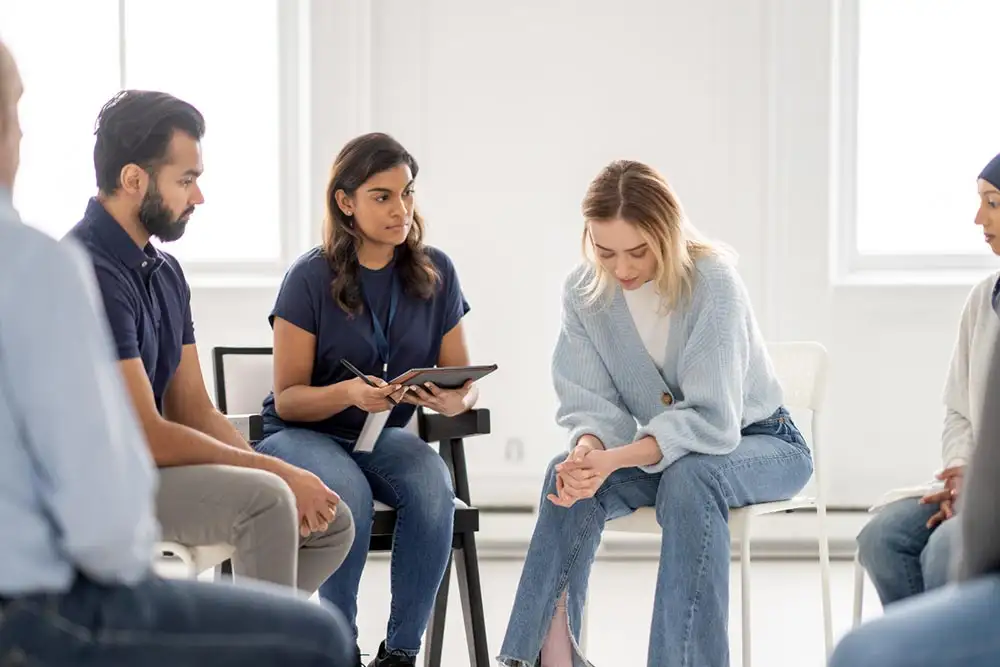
<point x="379" y="332"/>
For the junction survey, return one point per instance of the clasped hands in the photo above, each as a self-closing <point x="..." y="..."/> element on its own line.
<point x="946" y="498"/>
<point x="581" y="474"/>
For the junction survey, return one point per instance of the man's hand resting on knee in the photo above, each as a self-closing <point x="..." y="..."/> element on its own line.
<point x="316" y="502"/>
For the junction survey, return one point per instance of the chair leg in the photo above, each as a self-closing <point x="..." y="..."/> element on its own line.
<point x="824" y="572"/>
<point x="472" y="602"/>
<point x="745" y="588"/>
<point x="435" y="632"/>
<point x="859" y="590"/>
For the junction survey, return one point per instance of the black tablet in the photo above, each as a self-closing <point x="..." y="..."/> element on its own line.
<point x="449" y="377"/>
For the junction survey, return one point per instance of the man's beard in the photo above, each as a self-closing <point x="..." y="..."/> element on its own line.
<point x="159" y="220"/>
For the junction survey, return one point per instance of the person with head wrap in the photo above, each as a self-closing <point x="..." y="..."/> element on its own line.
<point x="907" y="547"/>
<point x="956" y="626"/>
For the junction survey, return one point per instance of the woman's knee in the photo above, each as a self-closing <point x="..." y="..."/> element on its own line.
<point x="873" y="544"/>
<point x="896" y="529"/>
<point x="689" y="481"/>
<point x="549" y="482"/>
<point x="425" y="483"/>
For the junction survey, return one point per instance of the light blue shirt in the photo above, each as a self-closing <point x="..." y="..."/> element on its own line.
<point x="716" y="377"/>
<point x="77" y="483"/>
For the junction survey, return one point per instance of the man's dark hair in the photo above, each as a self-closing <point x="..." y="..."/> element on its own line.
<point x="135" y="127"/>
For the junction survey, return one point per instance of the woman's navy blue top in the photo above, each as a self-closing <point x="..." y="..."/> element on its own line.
<point x="415" y="330"/>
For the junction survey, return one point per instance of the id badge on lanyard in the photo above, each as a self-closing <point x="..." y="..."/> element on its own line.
<point x="380" y="332"/>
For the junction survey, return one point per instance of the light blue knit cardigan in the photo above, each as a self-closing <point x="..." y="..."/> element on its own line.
<point x="717" y="377"/>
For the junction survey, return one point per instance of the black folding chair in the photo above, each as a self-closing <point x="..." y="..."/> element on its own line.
<point x="243" y="377"/>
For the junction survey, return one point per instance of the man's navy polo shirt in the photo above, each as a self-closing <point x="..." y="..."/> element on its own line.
<point x="147" y="299"/>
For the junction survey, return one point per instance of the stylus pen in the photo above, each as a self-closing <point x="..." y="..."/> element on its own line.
<point x="349" y="366"/>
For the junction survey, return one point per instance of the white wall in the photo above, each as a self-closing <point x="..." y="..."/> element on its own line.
<point x="510" y="110"/>
<point x="890" y="345"/>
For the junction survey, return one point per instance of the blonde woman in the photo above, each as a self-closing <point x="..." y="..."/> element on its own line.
<point x="671" y="401"/>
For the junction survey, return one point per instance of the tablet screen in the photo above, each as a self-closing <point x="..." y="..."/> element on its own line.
<point x="452" y="377"/>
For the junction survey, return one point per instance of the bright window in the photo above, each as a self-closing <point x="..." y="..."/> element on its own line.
<point x="70" y="68"/>
<point x="927" y="101"/>
<point x="223" y="57"/>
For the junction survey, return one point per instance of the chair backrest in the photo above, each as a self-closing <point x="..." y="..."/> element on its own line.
<point x="244" y="377"/>
<point x="801" y="369"/>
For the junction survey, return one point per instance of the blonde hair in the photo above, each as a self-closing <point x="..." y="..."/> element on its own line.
<point x="639" y="195"/>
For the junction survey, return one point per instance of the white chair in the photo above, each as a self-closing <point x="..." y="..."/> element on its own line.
<point x="859" y="569"/>
<point x="801" y="367"/>
<point x="194" y="559"/>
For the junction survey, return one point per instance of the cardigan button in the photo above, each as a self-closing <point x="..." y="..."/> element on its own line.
<point x="667" y="399"/>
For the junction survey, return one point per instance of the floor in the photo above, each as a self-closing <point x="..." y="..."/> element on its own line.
<point x="787" y="626"/>
<point x="786" y="601"/>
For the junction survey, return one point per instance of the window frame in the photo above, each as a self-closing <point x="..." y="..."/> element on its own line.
<point x="850" y="264"/>
<point x="294" y="232"/>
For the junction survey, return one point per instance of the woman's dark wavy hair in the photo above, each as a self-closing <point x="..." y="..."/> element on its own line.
<point x="359" y="160"/>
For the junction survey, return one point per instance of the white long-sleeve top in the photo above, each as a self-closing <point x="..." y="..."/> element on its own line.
<point x="965" y="387"/>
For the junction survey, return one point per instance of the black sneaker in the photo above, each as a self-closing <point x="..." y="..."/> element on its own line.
<point x="392" y="658"/>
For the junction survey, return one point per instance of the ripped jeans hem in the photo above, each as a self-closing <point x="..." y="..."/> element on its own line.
<point x="508" y="661"/>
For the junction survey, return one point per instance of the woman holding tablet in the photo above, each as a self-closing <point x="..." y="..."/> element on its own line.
<point x="375" y="297"/>
<point x="670" y="400"/>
